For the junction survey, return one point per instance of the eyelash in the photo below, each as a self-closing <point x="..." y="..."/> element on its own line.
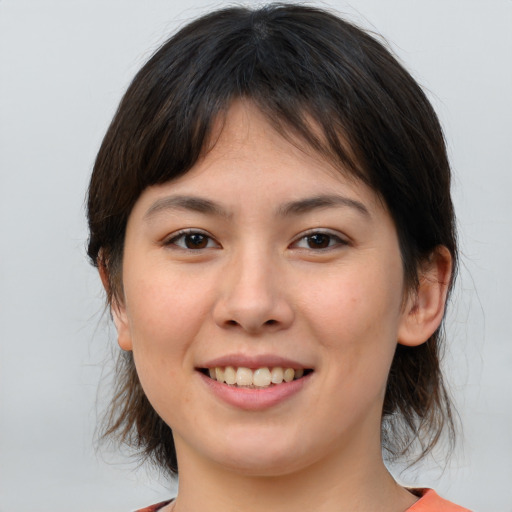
<point x="333" y="240"/>
<point x="173" y="240"/>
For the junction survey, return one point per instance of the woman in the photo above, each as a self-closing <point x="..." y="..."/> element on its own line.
<point x="271" y="218"/>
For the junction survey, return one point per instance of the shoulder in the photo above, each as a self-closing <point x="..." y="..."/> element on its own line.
<point x="155" y="507"/>
<point x="430" y="501"/>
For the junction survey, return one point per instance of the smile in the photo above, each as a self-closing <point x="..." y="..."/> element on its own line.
<point x="254" y="378"/>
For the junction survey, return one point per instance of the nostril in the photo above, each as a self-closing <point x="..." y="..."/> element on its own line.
<point x="271" y="322"/>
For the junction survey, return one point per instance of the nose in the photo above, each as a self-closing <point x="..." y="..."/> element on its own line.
<point x="252" y="296"/>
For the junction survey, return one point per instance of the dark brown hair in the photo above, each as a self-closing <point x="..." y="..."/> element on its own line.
<point x="320" y="80"/>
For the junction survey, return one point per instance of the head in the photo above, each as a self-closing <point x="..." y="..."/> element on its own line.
<point x="322" y="84"/>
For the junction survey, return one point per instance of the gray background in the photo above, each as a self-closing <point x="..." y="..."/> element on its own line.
<point x="63" y="68"/>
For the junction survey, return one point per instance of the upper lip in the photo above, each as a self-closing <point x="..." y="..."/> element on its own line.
<point x="253" y="361"/>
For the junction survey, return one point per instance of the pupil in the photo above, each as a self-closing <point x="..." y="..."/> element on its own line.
<point x="318" y="241"/>
<point x="196" y="241"/>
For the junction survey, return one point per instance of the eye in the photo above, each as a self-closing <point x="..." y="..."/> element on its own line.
<point x="319" y="240"/>
<point x="191" y="240"/>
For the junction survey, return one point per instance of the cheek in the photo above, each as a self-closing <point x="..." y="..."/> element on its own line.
<point x="356" y="318"/>
<point x="165" y="313"/>
<point x="161" y="300"/>
<point x="353" y="305"/>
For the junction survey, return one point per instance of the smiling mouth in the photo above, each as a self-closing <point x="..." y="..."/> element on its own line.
<point x="254" y="378"/>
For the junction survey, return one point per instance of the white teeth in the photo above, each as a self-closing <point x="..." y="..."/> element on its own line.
<point x="288" y="375"/>
<point x="260" y="377"/>
<point x="277" y="375"/>
<point x="244" y="376"/>
<point x="229" y="375"/>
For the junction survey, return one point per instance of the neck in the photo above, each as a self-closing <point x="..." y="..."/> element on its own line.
<point x="356" y="483"/>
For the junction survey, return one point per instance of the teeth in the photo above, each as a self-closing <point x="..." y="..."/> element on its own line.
<point x="229" y="375"/>
<point x="288" y="375"/>
<point x="277" y="375"/>
<point x="259" y="377"/>
<point x="244" y="377"/>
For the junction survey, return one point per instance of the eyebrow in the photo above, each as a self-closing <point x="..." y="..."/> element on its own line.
<point x="318" y="202"/>
<point x="188" y="203"/>
<point x="207" y="207"/>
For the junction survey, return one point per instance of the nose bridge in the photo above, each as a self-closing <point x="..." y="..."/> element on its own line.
<point x="251" y="294"/>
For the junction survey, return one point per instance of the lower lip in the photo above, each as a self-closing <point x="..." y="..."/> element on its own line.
<point x="255" y="399"/>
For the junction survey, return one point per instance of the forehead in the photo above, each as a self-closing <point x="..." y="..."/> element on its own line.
<point x="249" y="164"/>
<point x="244" y="129"/>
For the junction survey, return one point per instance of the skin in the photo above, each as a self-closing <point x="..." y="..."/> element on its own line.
<point x="261" y="286"/>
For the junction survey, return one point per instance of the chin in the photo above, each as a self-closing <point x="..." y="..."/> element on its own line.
<point x="264" y="467"/>
<point x="264" y="459"/>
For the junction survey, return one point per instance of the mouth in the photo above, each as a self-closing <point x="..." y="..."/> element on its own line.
<point x="254" y="378"/>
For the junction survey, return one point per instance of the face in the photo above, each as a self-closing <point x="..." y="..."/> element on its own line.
<point x="263" y="300"/>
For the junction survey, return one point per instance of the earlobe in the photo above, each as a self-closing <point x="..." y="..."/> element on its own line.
<point x="424" y="309"/>
<point x="117" y="310"/>
<point x="120" y="318"/>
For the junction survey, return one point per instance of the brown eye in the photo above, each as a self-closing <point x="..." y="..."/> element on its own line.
<point x="195" y="241"/>
<point x="319" y="241"/>
<point x="192" y="240"/>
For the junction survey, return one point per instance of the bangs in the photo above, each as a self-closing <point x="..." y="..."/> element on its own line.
<point x="188" y="87"/>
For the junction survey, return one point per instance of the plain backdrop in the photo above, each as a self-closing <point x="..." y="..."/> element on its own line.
<point x="63" y="68"/>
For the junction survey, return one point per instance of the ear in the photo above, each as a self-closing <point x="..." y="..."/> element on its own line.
<point x="424" y="309"/>
<point x="118" y="311"/>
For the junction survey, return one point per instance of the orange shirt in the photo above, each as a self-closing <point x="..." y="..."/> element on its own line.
<point x="430" y="501"/>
